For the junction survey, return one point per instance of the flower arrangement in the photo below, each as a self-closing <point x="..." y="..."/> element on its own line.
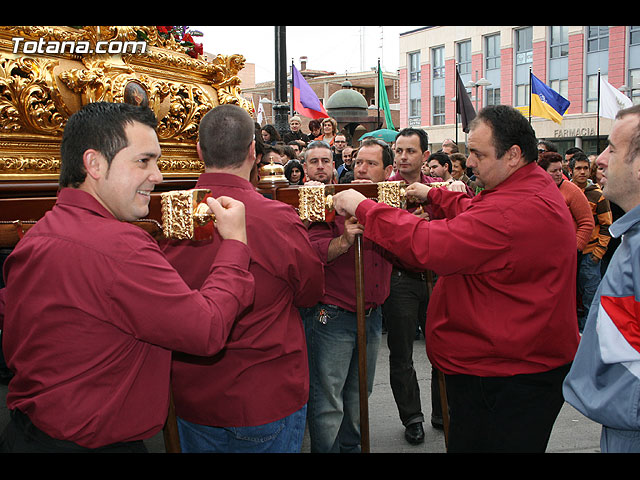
<point x="184" y="36"/>
<point x="181" y="34"/>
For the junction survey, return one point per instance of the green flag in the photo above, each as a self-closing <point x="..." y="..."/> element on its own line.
<point x="383" y="101"/>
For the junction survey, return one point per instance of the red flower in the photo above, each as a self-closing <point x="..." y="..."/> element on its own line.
<point x="188" y="38"/>
<point x="164" y="29"/>
<point x="198" y="48"/>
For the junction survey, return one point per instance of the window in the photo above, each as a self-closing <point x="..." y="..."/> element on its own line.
<point x="492" y="96"/>
<point x="634" y="81"/>
<point x="524" y="45"/>
<point x="414" y="86"/>
<point x="414" y="67"/>
<point x="560" y="86"/>
<point x="597" y="39"/>
<point x="492" y="52"/>
<point x="559" y="42"/>
<point x="415" y="105"/>
<point x="634" y="35"/>
<point x="438" y="62"/>
<point x="522" y="95"/>
<point x="438" y="110"/>
<point x="592" y="91"/>
<point x="464" y="57"/>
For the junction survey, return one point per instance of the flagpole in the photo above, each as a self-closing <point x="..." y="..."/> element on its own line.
<point x="530" y="96"/>
<point x="291" y="107"/>
<point x="378" y="100"/>
<point x="457" y="100"/>
<point x="598" y="118"/>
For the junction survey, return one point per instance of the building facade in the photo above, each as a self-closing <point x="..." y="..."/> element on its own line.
<point x="494" y="64"/>
<point x="325" y="84"/>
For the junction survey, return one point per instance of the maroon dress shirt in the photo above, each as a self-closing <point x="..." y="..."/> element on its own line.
<point x="262" y="373"/>
<point x="340" y="274"/>
<point x="504" y="303"/>
<point x="90" y="314"/>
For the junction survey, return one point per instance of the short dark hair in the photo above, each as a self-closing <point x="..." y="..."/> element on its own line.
<point x="314" y="124"/>
<point x="551" y="147"/>
<point x="578" y="157"/>
<point x="226" y="133"/>
<point x="288" y="168"/>
<point x="459" y="157"/>
<point x="387" y="152"/>
<point x="547" y="158"/>
<point x="317" y="144"/>
<point x="422" y="134"/>
<point x="573" y="150"/>
<point x="99" y="126"/>
<point x="509" y="128"/>
<point x="442" y="158"/>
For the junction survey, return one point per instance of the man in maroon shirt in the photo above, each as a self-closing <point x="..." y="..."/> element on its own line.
<point x="92" y="309"/>
<point x="331" y="325"/>
<point x="506" y="345"/>
<point x="252" y="396"/>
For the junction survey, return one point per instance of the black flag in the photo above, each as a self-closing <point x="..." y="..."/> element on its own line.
<point x="464" y="107"/>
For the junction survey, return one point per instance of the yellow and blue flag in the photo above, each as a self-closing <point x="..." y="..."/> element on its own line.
<point x="545" y="102"/>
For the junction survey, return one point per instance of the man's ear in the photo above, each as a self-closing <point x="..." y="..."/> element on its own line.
<point x="198" y="150"/>
<point x="514" y="155"/>
<point x="94" y="163"/>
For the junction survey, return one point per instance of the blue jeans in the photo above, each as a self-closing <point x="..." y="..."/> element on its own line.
<point x="613" y="440"/>
<point x="334" y="403"/>
<point x="589" y="277"/>
<point x="281" y="436"/>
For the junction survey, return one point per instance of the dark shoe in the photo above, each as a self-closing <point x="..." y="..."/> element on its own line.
<point x="436" y="422"/>
<point x="414" y="433"/>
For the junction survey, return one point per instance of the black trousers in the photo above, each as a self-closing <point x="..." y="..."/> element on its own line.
<point x="403" y="311"/>
<point x="503" y="414"/>
<point x="22" y="436"/>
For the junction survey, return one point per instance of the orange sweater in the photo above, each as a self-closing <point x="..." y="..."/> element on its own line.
<point x="580" y="211"/>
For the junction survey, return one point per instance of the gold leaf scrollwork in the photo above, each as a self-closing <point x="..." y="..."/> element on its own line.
<point x="29" y="165"/>
<point x="102" y="81"/>
<point x="96" y="82"/>
<point x="227" y="82"/>
<point x="188" y="105"/>
<point x="29" y="100"/>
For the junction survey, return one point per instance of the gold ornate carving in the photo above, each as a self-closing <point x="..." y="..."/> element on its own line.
<point x="226" y="81"/>
<point x="39" y="92"/>
<point x="20" y="164"/>
<point x="29" y="102"/>
<point x="185" y="214"/>
<point x="314" y="202"/>
<point x="392" y="194"/>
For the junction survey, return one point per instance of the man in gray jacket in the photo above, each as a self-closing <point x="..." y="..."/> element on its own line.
<point x="604" y="381"/>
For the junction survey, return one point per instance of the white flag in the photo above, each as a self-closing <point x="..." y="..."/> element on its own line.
<point x="611" y="100"/>
<point x="260" y="111"/>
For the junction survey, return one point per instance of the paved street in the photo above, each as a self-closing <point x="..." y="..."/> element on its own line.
<point x="573" y="433"/>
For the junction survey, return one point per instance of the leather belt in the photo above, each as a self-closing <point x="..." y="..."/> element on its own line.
<point x="414" y="275"/>
<point x="367" y="311"/>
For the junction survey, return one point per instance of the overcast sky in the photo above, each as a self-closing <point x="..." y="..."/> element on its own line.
<point x="340" y="49"/>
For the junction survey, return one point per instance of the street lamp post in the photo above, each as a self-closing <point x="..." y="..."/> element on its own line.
<point x="483" y="82"/>
<point x="280" y="106"/>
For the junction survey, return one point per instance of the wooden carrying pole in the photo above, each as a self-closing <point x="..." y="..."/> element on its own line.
<point x="170" y="430"/>
<point x="290" y="196"/>
<point x="362" y="347"/>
